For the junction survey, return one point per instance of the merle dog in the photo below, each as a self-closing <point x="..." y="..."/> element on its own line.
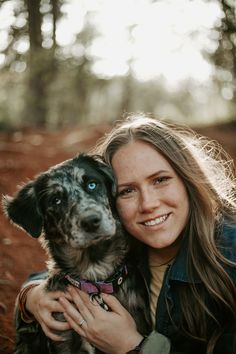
<point x="72" y="207"/>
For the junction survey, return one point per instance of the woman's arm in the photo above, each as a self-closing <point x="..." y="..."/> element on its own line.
<point x="113" y="331"/>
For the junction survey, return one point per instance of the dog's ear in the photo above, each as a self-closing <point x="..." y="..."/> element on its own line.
<point x="23" y="210"/>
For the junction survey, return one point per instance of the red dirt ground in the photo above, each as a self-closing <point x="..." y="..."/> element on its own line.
<point x="23" y="154"/>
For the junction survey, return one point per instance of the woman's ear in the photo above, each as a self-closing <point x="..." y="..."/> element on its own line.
<point x="23" y="210"/>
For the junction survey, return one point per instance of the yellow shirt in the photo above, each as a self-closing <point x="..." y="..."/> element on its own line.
<point x="157" y="275"/>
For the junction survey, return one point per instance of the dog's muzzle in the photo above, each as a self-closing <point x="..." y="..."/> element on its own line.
<point x="91" y="222"/>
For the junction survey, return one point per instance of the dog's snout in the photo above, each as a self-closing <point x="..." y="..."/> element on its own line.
<point x="91" y="222"/>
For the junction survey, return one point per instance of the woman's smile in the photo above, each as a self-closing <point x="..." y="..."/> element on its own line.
<point x="155" y="221"/>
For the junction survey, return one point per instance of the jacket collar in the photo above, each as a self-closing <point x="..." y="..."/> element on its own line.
<point x="226" y="243"/>
<point x="179" y="270"/>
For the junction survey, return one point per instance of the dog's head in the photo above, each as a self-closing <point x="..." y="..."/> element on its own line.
<point x="72" y="202"/>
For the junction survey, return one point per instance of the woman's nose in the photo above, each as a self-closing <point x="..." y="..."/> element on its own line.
<point x="148" y="201"/>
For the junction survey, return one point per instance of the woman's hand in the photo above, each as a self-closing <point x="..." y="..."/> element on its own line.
<point x="41" y="304"/>
<point x="113" y="331"/>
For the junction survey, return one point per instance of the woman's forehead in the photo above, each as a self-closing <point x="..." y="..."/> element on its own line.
<point x="138" y="158"/>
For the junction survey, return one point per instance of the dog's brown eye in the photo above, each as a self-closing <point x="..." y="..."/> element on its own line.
<point x="56" y="201"/>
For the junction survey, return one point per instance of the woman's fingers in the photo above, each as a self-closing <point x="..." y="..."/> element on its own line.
<point x="114" y="304"/>
<point x="55" y="324"/>
<point x="73" y="317"/>
<point x="50" y="334"/>
<point x="82" y="303"/>
<point x="89" y="308"/>
<point x="50" y="325"/>
<point x="78" y="327"/>
<point x="79" y="315"/>
<point x="54" y="306"/>
<point x="54" y="295"/>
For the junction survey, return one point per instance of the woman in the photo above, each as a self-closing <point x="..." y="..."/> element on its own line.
<point x="176" y="197"/>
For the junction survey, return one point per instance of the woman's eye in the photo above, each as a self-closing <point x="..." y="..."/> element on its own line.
<point x="92" y="186"/>
<point x="125" y="192"/>
<point x="159" y="180"/>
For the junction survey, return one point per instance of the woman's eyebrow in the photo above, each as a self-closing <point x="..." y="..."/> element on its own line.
<point x="125" y="184"/>
<point x="155" y="174"/>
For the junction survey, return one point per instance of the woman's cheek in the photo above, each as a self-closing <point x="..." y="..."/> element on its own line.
<point x="124" y="210"/>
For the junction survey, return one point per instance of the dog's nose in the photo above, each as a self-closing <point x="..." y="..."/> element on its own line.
<point x="91" y="222"/>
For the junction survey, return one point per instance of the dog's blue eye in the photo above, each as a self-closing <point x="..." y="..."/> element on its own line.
<point x="92" y="186"/>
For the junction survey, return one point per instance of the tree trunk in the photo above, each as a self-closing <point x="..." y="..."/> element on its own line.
<point x="36" y="110"/>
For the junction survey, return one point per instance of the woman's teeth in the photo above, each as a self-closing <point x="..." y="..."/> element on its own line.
<point x="156" y="221"/>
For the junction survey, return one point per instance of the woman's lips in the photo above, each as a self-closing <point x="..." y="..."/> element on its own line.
<point x="155" y="221"/>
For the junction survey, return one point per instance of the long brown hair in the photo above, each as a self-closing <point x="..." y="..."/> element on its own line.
<point x="209" y="176"/>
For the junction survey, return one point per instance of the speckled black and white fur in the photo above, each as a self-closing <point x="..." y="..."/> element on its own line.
<point x="72" y="207"/>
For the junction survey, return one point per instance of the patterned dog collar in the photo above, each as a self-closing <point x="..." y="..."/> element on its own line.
<point x="108" y="286"/>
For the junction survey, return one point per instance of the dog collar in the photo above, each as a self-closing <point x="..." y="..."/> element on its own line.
<point x="108" y="286"/>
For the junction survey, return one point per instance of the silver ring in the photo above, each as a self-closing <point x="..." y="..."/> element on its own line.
<point x="81" y="322"/>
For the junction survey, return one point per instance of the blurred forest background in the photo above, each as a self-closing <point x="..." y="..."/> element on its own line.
<point x="51" y="83"/>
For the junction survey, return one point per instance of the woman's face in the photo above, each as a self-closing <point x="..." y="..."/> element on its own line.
<point x="152" y="200"/>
